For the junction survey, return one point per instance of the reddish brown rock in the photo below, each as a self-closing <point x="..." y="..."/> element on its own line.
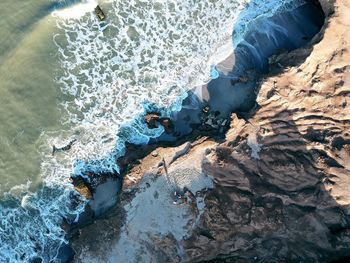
<point x="82" y="189"/>
<point x="154" y="119"/>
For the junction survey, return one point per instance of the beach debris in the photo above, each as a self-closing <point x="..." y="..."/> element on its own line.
<point x="64" y="148"/>
<point x="99" y="13"/>
<point x="154" y="119"/>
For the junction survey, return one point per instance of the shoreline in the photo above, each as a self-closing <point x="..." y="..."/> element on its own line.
<point x="188" y="121"/>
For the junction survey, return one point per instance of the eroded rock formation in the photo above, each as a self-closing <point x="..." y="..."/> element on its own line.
<point x="281" y="191"/>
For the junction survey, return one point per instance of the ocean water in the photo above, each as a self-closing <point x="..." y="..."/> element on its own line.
<point x="64" y="75"/>
<point x="28" y="96"/>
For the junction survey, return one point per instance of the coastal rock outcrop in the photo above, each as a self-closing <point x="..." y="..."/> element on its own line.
<point x="280" y="179"/>
<point x="101" y="191"/>
<point x="154" y="119"/>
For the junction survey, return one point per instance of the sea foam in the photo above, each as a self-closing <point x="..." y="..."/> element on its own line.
<point x="145" y="53"/>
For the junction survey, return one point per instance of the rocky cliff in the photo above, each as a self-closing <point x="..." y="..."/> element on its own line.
<point x="281" y="191"/>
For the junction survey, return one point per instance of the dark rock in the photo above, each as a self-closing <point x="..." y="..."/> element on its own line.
<point x="206" y="109"/>
<point x="64" y="148"/>
<point x="339" y="142"/>
<point x="314" y="135"/>
<point x="152" y="120"/>
<point x="99" y="13"/>
<point x="167" y="124"/>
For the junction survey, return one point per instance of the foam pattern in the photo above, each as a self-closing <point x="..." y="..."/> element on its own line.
<point x="30" y="224"/>
<point x="146" y="52"/>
